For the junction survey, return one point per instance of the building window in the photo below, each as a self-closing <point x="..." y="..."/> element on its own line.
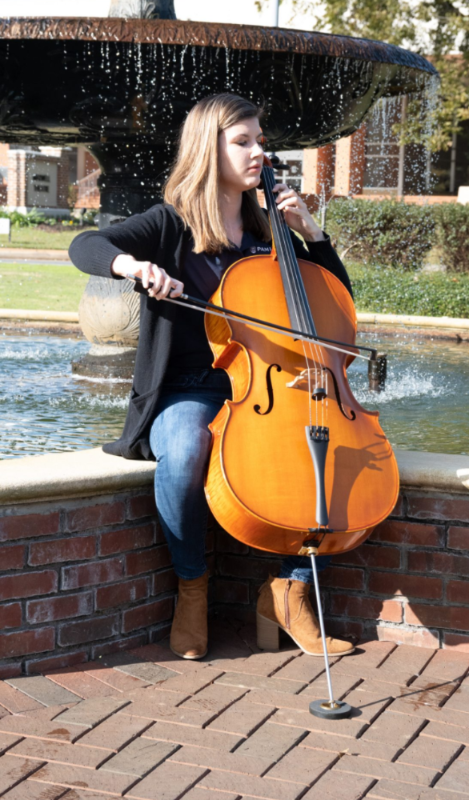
<point x="382" y="148"/>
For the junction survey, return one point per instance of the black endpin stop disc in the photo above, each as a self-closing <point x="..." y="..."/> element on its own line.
<point x="326" y="710"/>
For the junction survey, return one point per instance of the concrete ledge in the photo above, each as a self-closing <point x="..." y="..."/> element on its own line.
<point x="78" y="474"/>
<point x="407" y="319"/>
<point x="92" y="472"/>
<point x="362" y="318"/>
<point x="37" y="255"/>
<point x="40" y="316"/>
<point x="433" y="471"/>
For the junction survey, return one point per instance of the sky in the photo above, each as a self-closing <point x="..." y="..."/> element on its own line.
<point x="241" y="11"/>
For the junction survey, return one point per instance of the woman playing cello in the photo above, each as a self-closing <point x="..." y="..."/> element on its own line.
<point x="209" y="220"/>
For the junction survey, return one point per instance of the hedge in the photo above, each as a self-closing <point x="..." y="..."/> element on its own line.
<point x="386" y="232"/>
<point x="452" y="234"/>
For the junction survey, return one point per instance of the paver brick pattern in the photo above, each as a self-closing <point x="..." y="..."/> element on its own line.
<point x="145" y="725"/>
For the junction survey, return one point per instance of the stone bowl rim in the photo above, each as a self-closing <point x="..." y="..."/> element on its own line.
<point x="211" y="34"/>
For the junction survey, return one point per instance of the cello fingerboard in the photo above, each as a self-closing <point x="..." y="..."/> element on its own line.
<point x="295" y="293"/>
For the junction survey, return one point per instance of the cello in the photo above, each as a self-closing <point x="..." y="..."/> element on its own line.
<point x="296" y="461"/>
<point x="297" y="465"/>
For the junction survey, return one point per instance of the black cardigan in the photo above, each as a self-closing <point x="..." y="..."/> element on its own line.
<point x="158" y="236"/>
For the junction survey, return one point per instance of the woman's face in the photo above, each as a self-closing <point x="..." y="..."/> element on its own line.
<point x="240" y="155"/>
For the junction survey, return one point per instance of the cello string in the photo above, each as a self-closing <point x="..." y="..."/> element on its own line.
<point x="318" y="352"/>
<point x="278" y="222"/>
<point x="295" y="277"/>
<point x="299" y="296"/>
<point x="284" y="241"/>
<point x="295" y="273"/>
<point x="315" y="361"/>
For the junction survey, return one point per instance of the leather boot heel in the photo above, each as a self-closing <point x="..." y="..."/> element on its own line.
<point x="189" y="629"/>
<point x="268" y="634"/>
<point x="284" y="603"/>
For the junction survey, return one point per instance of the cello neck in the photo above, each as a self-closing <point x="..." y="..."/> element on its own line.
<point x="295" y="293"/>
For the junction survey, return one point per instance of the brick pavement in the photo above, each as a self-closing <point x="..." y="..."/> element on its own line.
<point x="145" y="725"/>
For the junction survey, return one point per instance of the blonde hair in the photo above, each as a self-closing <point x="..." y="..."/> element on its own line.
<point x="192" y="187"/>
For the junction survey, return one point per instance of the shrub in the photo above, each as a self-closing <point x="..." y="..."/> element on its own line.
<point x="72" y="195"/>
<point x="453" y="235"/>
<point x="19" y="220"/>
<point x="386" y="232"/>
<point x="431" y="294"/>
<point x="36" y="217"/>
<point x="90" y="218"/>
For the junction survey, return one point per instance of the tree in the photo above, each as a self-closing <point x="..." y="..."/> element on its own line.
<point x="436" y="29"/>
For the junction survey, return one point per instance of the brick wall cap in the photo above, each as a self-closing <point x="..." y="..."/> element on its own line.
<point x="63" y="316"/>
<point x="79" y="474"/>
<point x="92" y="472"/>
<point x="40" y="255"/>
<point x="433" y="471"/>
<point x="40" y="316"/>
<point x="409" y="319"/>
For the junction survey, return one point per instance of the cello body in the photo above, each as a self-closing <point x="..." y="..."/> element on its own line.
<point x="261" y="482"/>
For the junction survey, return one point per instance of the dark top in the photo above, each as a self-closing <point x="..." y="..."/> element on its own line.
<point x="201" y="275"/>
<point x="159" y="236"/>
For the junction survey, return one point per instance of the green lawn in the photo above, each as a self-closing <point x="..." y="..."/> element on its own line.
<point x="59" y="288"/>
<point x="41" y="239"/>
<point x="44" y="288"/>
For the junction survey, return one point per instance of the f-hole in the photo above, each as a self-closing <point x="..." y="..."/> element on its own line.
<point x="339" y="399"/>
<point x="270" y="391"/>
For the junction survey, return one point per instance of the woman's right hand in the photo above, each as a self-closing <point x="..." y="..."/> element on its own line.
<point x="162" y="283"/>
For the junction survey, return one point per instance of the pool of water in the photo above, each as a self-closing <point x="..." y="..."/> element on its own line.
<point x="426" y="402"/>
<point x="44" y="408"/>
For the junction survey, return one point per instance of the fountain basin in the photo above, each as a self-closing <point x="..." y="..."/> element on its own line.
<point x="123" y="87"/>
<point x="48" y="408"/>
<point x="170" y="64"/>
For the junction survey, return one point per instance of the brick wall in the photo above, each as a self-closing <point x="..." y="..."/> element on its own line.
<point x="19" y="164"/>
<point x="4" y="150"/>
<point x="63" y="179"/>
<point x="79" y="579"/>
<point x="83" y="577"/>
<point x="16" y="178"/>
<point x="408" y="583"/>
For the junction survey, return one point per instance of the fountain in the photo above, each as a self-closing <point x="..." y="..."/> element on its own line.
<point x="122" y="86"/>
<point x="144" y="9"/>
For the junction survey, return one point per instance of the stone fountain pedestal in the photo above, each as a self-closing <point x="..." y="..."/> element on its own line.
<point x="109" y="309"/>
<point x="109" y="315"/>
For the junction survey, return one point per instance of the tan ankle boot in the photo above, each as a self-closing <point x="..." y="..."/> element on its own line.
<point x="285" y="604"/>
<point x="189" y="629"/>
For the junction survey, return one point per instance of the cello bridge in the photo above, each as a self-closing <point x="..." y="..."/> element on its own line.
<point x="308" y="378"/>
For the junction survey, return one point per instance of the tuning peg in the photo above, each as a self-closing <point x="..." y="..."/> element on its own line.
<point x="276" y="163"/>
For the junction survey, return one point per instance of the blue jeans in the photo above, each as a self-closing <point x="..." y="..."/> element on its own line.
<point x="180" y="441"/>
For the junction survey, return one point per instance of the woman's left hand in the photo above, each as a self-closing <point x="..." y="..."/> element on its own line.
<point x="296" y="213"/>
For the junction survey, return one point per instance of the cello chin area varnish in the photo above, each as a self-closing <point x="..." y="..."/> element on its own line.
<point x="296" y="463"/>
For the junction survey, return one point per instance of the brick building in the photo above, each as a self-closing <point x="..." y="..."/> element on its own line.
<point x="41" y="178"/>
<point x="371" y="163"/>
